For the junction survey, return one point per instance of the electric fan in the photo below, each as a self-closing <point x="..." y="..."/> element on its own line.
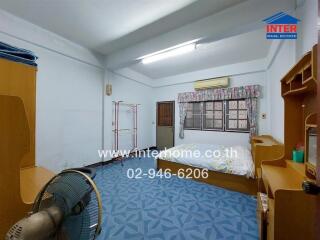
<point x="68" y="207"/>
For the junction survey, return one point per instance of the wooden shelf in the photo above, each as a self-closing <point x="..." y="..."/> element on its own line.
<point x="298" y="67"/>
<point x="297" y="91"/>
<point x="307" y="72"/>
<point x="301" y="78"/>
<point x="311" y="125"/>
<point x="307" y="80"/>
<point x="285" y="88"/>
<point x="296" y="77"/>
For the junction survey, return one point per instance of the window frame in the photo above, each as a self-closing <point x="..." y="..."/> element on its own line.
<point x="201" y="113"/>
<point x="238" y="130"/>
<point x="204" y="110"/>
<point x="225" y="117"/>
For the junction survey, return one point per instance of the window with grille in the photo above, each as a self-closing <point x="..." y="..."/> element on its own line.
<point x="213" y="115"/>
<point x="193" y="117"/>
<point x="230" y="115"/>
<point x="237" y="116"/>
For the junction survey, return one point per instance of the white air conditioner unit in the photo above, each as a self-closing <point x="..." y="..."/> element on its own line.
<point x="211" y="83"/>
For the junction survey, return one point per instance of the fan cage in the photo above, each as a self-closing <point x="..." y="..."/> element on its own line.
<point x="88" y="222"/>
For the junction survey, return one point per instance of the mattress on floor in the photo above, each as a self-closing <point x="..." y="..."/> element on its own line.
<point x="235" y="160"/>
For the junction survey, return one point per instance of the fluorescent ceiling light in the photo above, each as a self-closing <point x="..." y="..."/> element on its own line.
<point x="170" y="52"/>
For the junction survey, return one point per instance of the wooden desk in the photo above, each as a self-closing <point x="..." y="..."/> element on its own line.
<point x="32" y="180"/>
<point x="277" y="177"/>
<point x="291" y="212"/>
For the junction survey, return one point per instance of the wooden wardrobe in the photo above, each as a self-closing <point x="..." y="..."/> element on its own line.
<point x="20" y="178"/>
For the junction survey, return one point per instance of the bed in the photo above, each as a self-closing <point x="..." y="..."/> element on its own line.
<point x="237" y="172"/>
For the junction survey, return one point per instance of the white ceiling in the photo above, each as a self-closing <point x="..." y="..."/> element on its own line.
<point x="108" y="25"/>
<point x="114" y="26"/>
<point x="244" y="47"/>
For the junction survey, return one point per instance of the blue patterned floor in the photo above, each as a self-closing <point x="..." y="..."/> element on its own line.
<point x="170" y="209"/>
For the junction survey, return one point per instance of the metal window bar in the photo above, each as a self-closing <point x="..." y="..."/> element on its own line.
<point x="213" y="110"/>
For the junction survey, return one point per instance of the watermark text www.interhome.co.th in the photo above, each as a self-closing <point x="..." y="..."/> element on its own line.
<point x="178" y="153"/>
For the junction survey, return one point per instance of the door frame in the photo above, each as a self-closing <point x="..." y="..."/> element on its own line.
<point x="173" y="119"/>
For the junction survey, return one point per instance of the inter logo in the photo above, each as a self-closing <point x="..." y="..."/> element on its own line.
<point x="281" y="26"/>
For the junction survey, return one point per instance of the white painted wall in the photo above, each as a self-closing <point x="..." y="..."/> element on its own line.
<point x="282" y="62"/>
<point x="129" y="91"/>
<point x="307" y="12"/>
<point x="170" y="93"/>
<point x="69" y="95"/>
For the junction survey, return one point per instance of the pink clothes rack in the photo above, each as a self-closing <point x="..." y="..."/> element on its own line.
<point x="116" y="130"/>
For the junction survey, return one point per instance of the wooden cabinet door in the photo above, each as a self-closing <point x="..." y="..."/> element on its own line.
<point x="19" y="80"/>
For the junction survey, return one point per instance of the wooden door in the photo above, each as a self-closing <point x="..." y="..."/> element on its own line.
<point x="165" y="125"/>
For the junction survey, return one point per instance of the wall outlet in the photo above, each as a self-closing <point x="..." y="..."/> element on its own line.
<point x="263" y="115"/>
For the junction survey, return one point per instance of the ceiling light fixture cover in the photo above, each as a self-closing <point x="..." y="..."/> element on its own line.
<point x="170" y="53"/>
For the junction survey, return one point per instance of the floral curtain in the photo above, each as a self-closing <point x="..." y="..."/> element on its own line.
<point x="250" y="93"/>
<point x="252" y="110"/>
<point x="182" y="114"/>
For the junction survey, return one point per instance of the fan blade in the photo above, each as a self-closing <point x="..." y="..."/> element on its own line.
<point x="77" y="227"/>
<point x="70" y="189"/>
